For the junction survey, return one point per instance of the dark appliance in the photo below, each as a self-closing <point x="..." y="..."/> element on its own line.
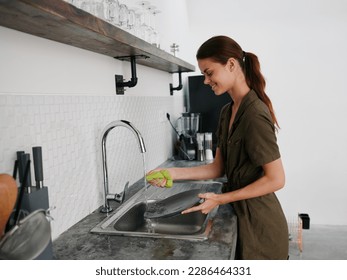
<point x="202" y="99"/>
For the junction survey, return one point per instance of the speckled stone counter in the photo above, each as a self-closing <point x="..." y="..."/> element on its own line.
<point x="78" y="243"/>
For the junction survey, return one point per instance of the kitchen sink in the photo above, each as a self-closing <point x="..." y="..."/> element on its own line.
<point x="129" y="219"/>
<point x="133" y="221"/>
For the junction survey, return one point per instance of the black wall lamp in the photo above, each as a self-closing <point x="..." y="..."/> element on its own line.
<point x="120" y="84"/>
<point x="179" y="87"/>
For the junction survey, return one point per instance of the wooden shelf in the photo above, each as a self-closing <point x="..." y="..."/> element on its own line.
<point x="59" y="21"/>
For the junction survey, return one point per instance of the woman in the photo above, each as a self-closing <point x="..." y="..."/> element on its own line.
<point x="247" y="152"/>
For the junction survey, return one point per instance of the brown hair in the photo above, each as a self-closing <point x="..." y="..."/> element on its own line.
<point x="221" y="48"/>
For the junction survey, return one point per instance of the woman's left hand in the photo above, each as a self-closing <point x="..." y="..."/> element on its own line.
<point x="211" y="201"/>
<point x="160" y="178"/>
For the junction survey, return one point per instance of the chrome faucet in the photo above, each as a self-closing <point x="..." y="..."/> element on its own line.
<point x="117" y="197"/>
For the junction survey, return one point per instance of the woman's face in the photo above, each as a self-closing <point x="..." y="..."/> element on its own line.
<point x="218" y="76"/>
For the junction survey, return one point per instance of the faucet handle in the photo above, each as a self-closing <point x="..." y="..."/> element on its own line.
<point x="126" y="187"/>
<point x="121" y="197"/>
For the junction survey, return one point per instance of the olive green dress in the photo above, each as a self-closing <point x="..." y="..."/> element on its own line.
<point x="251" y="143"/>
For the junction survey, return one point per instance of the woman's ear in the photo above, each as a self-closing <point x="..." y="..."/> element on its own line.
<point x="231" y="63"/>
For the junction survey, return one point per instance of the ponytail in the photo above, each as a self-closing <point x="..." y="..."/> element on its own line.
<point x="256" y="81"/>
<point x="221" y="48"/>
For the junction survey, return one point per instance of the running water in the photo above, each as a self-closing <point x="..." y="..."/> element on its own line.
<point x="144" y="177"/>
<point x="149" y="224"/>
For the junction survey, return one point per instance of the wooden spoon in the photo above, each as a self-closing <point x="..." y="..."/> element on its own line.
<point x="8" y="196"/>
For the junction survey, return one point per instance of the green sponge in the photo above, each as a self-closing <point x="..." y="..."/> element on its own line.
<point x="161" y="175"/>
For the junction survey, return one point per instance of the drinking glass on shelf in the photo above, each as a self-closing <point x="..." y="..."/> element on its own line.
<point x="123" y="16"/>
<point x="137" y="27"/>
<point x="95" y="7"/>
<point x="143" y="4"/>
<point x="101" y="9"/>
<point x="113" y="12"/>
<point x="149" y="23"/>
<point x="144" y="27"/>
<point x="154" y="32"/>
<point x="131" y="20"/>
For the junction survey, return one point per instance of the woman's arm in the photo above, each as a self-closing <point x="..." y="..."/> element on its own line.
<point x="273" y="180"/>
<point x="203" y="172"/>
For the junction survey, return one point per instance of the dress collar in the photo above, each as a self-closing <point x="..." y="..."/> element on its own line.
<point x="247" y="100"/>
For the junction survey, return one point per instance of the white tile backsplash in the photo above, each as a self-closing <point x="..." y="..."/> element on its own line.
<point x="69" y="130"/>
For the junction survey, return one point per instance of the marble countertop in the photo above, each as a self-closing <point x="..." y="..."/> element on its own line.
<point x="78" y="243"/>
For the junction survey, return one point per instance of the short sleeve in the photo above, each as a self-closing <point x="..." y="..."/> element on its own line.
<point x="261" y="142"/>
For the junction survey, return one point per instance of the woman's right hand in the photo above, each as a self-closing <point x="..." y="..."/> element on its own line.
<point x="160" y="178"/>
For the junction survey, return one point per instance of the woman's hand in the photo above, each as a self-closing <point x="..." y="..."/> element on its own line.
<point x="160" y="178"/>
<point x="211" y="201"/>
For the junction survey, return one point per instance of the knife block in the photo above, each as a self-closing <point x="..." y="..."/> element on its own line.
<point x="38" y="199"/>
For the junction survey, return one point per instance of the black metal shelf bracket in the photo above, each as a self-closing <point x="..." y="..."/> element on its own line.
<point x="179" y="87"/>
<point x="120" y="84"/>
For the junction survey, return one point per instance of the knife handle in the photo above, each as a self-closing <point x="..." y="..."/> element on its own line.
<point x="20" y="165"/>
<point x="37" y="156"/>
<point x="25" y="158"/>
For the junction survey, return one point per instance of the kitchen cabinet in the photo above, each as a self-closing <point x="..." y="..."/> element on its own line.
<point x="60" y="21"/>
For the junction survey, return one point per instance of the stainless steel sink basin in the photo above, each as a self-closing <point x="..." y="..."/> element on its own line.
<point x="134" y="220"/>
<point x="129" y="220"/>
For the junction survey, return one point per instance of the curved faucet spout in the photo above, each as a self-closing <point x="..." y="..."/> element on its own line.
<point x="128" y="125"/>
<point x="107" y="208"/>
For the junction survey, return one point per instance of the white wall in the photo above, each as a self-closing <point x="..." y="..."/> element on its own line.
<point x="302" y="50"/>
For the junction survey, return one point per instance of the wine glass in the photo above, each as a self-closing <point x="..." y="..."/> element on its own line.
<point x="123" y="16"/>
<point x="144" y="27"/>
<point x="131" y="20"/>
<point x="95" y="7"/>
<point x="113" y="12"/>
<point x="154" y="33"/>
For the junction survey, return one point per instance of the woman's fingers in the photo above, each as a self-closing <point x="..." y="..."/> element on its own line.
<point x="206" y="206"/>
<point x="192" y="209"/>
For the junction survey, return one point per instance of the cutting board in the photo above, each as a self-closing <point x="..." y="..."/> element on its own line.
<point x="8" y="197"/>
